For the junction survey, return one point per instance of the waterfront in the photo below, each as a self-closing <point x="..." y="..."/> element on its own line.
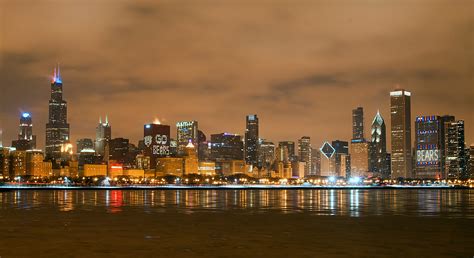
<point x="245" y="223"/>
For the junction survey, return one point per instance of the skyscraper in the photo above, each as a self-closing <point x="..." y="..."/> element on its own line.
<point x="156" y="138"/>
<point x="57" y="128"/>
<point x="226" y="146"/>
<point x="455" y="165"/>
<point x="26" y="140"/>
<point x="304" y="153"/>
<point x="378" y="147"/>
<point x="84" y="143"/>
<point x="341" y="158"/>
<point x="358" y="124"/>
<point x="187" y="131"/>
<point x="290" y="146"/>
<point x="251" y="140"/>
<point x="428" y="140"/>
<point x="266" y="153"/>
<point x="103" y="134"/>
<point x="401" y="156"/>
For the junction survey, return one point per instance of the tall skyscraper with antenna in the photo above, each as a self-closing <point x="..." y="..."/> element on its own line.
<point x="57" y="128"/>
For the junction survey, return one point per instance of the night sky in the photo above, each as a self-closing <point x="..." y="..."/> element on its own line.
<point x="302" y="66"/>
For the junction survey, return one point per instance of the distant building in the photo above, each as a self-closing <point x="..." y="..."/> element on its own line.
<point x="471" y="161"/>
<point x="328" y="160"/>
<point x="401" y="155"/>
<point x="251" y="140"/>
<point x="429" y="140"/>
<point x="315" y="162"/>
<point x="103" y="134"/>
<point x="57" y="128"/>
<point x="358" y="124"/>
<point x="84" y="143"/>
<point x="290" y="146"/>
<point x="266" y="154"/>
<point x="378" y="147"/>
<point x="456" y="162"/>
<point x="186" y="131"/>
<point x="118" y="150"/>
<point x="26" y="140"/>
<point x="304" y="153"/>
<point x="156" y="140"/>
<point x="359" y="152"/>
<point x="191" y="162"/>
<point x="226" y="146"/>
<point x="341" y="158"/>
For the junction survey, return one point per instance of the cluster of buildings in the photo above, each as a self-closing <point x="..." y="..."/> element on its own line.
<point x="437" y="152"/>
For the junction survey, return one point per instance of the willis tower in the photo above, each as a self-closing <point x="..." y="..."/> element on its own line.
<point x="57" y="128"/>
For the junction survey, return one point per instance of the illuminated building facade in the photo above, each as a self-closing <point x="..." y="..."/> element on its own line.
<point x="359" y="152"/>
<point x="84" y="143"/>
<point x="157" y="142"/>
<point x="57" y="128"/>
<point x="429" y="142"/>
<point x="118" y="150"/>
<point x="341" y="157"/>
<point x="251" y="140"/>
<point x="26" y="139"/>
<point x="290" y="147"/>
<point x="186" y="131"/>
<point x="226" y="146"/>
<point x="400" y="116"/>
<point x="328" y="160"/>
<point x="103" y="134"/>
<point x="266" y="154"/>
<point x="378" y="147"/>
<point x="191" y="163"/>
<point x="358" y="124"/>
<point x="315" y="162"/>
<point x="304" y="153"/>
<point x="456" y="163"/>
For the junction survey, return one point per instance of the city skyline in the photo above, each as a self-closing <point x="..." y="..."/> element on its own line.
<point x="312" y="81"/>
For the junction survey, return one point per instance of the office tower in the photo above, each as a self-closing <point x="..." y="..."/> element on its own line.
<point x="315" y="162"/>
<point x="328" y="161"/>
<point x="4" y="161"/>
<point x="156" y="138"/>
<point x="429" y="140"/>
<point x="35" y="164"/>
<point x="26" y="140"/>
<point x="304" y="153"/>
<point x="204" y="147"/>
<point x="401" y="154"/>
<point x="186" y="131"/>
<point x="378" y="147"/>
<point x="191" y="162"/>
<point x="84" y="143"/>
<point x="266" y="154"/>
<point x="358" y="124"/>
<point x="455" y="160"/>
<point x="103" y="134"/>
<point x="118" y="149"/>
<point x="57" y="128"/>
<point x="226" y="146"/>
<point x="18" y="163"/>
<point x="342" y="164"/>
<point x="359" y="152"/>
<point x="251" y="140"/>
<point x="290" y="146"/>
<point x="471" y="161"/>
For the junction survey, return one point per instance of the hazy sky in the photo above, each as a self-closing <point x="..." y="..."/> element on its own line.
<point x="302" y="66"/>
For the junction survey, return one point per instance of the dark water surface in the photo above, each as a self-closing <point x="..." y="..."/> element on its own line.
<point x="237" y="223"/>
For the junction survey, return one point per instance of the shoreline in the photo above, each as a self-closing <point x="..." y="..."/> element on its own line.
<point x="6" y="188"/>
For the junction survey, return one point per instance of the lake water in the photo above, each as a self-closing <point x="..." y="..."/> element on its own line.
<point x="237" y="223"/>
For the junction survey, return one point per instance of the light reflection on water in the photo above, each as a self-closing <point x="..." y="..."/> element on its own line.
<point x="354" y="203"/>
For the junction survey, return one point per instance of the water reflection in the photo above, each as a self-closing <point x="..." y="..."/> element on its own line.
<point x="353" y="203"/>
